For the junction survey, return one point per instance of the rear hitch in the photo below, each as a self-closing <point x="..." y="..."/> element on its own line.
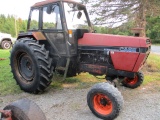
<point x="6" y="115"/>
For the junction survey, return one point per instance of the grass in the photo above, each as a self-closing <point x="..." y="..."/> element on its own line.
<point x="152" y="69"/>
<point x="7" y="83"/>
<point x="157" y="44"/>
<point x="84" y="80"/>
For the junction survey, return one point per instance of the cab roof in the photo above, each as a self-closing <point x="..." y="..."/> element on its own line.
<point x="38" y="4"/>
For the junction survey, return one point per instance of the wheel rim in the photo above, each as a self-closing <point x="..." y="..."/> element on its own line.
<point x="131" y="81"/>
<point x="7" y="45"/>
<point x="102" y="104"/>
<point x="26" y="68"/>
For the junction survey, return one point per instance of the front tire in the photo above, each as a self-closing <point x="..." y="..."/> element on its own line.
<point x="105" y="101"/>
<point x="134" y="82"/>
<point x="31" y="65"/>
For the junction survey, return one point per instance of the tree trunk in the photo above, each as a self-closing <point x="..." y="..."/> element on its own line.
<point x="141" y="18"/>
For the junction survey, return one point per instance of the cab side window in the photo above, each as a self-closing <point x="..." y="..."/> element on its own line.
<point x="51" y="17"/>
<point x="34" y="23"/>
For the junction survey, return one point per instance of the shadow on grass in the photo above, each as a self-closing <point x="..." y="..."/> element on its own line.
<point x="81" y="81"/>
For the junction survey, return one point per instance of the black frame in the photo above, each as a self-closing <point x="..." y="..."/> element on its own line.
<point x="63" y="23"/>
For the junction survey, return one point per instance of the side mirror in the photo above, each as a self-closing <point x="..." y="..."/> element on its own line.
<point x="79" y="15"/>
<point x="49" y="9"/>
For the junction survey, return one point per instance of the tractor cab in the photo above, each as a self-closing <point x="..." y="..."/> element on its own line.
<point x="61" y="23"/>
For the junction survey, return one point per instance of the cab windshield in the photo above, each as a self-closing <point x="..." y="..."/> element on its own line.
<point x="75" y="16"/>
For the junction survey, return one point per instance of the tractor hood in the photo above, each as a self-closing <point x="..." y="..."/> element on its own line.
<point x="94" y="39"/>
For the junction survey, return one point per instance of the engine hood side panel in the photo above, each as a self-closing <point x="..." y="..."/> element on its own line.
<point x="94" y="39"/>
<point x="127" y="53"/>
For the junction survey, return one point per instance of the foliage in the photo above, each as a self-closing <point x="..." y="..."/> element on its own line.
<point x="11" y="25"/>
<point x="114" y="12"/>
<point x="153" y="28"/>
<point x="124" y="29"/>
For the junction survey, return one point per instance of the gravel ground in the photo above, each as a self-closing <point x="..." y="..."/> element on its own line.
<point x="155" y="49"/>
<point x="142" y="103"/>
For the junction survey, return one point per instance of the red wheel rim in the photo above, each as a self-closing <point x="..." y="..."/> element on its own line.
<point x="131" y="81"/>
<point x="102" y="104"/>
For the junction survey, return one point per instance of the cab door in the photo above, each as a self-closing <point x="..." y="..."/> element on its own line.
<point x="52" y="28"/>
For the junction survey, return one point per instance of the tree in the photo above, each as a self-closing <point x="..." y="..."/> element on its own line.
<point x="153" y="28"/>
<point x="8" y="24"/>
<point x="113" y="12"/>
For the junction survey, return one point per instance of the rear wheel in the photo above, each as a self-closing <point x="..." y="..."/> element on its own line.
<point x="31" y="65"/>
<point x="25" y="110"/>
<point x="6" y="44"/>
<point x="134" y="82"/>
<point x="105" y="101"/>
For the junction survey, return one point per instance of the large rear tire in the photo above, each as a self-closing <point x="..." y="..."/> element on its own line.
<point x="25" y="110"/>
<point x="31" y="65"/>
<point x="134" y="82"/>
<point x="105" y="101"/>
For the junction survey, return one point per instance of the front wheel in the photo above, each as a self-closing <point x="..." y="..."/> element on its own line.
<point x="134" y="82"/>
<point x="105" y="101"/>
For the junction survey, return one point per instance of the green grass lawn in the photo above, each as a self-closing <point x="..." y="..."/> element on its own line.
<point x="152" y="69"/>
<point x="7" y="83"/>
<point x="84" y="80"/>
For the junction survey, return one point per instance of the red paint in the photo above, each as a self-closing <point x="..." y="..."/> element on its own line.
<point x="131" y="82"/>
<point x="143" y="43"/>
<point x="7" y="114"/>
<point x="104" y="109"/>
<point x="140" y="62"/>
<point x="94" y="39"/>
<point x="124" y="60"/>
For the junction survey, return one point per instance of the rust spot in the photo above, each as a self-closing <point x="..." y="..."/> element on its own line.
<point x="39" y="36"/>
<point x="93" y="69"/>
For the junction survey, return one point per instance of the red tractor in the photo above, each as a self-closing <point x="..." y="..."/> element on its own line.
<point x="60" y="38"/>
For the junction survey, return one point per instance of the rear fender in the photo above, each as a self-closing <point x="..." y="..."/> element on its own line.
<point x="35" y="35"/>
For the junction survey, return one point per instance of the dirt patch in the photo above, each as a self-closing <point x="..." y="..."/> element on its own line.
<point x="70" y="103"/>
<point x="2" y="59"/>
